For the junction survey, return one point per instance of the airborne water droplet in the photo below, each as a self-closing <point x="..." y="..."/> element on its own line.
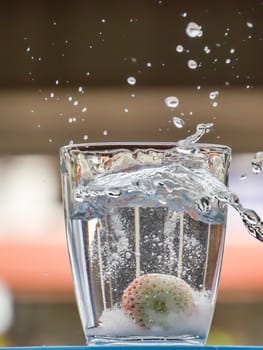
<point x="179" y="48"/>
<point x="213" y="94"/>
<point x="178" y="122"/>
<point x="131" y="81"/>
<point x="214" y="104"/>
<point x="193" y="30"/>
<point x="206" y="49"/>
<point x="192" y="64"/>
<point x="250" y="25"/>
<point x="172" y="101"/>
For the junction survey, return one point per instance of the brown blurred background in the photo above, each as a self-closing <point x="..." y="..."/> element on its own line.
<point x="64" y="67"/>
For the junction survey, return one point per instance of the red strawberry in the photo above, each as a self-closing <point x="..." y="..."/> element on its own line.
<point x="157" y="299"/>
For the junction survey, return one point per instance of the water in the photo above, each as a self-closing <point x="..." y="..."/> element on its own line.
<point x="144" y="212"/>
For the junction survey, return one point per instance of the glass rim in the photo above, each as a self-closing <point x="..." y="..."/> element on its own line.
<point x="103" y="146"/>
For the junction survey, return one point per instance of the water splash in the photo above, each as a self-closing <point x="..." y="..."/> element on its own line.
<point x="201" y="130"/>
<point x="187" y="184"/>
<point x="257" y="163"/>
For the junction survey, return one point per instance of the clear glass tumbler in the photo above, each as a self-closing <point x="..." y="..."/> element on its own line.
<point x="145" y="234"/>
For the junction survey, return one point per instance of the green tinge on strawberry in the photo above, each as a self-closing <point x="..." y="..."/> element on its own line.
<point x="156" y="299"/>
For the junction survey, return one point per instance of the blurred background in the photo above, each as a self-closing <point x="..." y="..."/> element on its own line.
<point x="80" y="71"/>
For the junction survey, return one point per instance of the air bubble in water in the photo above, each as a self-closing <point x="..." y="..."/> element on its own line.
<point x="204" y="205"/>
<point x="178" y="122"/>
<point x="193" y="30"/>
<point x="131" y="81"/>
<point x="192" y="64"/>
<point x="179" y="48"/>
<point x="213" y="94"/>
<point x="172" y="101"/>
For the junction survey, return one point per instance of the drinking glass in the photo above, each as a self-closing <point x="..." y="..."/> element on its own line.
<point x="145" y="233"/>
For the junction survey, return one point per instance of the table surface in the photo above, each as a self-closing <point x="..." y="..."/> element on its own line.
<point x="138" y="347"/>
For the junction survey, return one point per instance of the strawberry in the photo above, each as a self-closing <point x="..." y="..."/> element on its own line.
<point x="157" y="300"/>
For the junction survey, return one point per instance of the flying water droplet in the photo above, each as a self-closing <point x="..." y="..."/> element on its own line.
<point x="214" y="104"/>
<point x="105" y="132"/>
<point x="148" y="64"/>
<point x="250" y="25"/>
<point x="85" y="137"/>
<point x="192" y="64"/>
<point x="172" y="101"/>
<point x="178" y="122"/>
<point x="193" y="30"/>
<point x="126" y="110"/>
<point x="213" y="94"/>
<point x="232" y="51"/>
<point x="206" y="49"/>
<point x="179" y="48"/>
<point x="131" y="81"/>
<point x="228" y="60"/>
<point x="52" y="94"/>
<point x="184" y="14"/>
<point x="84" y="109"/>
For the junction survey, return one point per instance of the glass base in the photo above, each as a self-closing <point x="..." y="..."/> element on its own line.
<point x="144" y="341"/>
